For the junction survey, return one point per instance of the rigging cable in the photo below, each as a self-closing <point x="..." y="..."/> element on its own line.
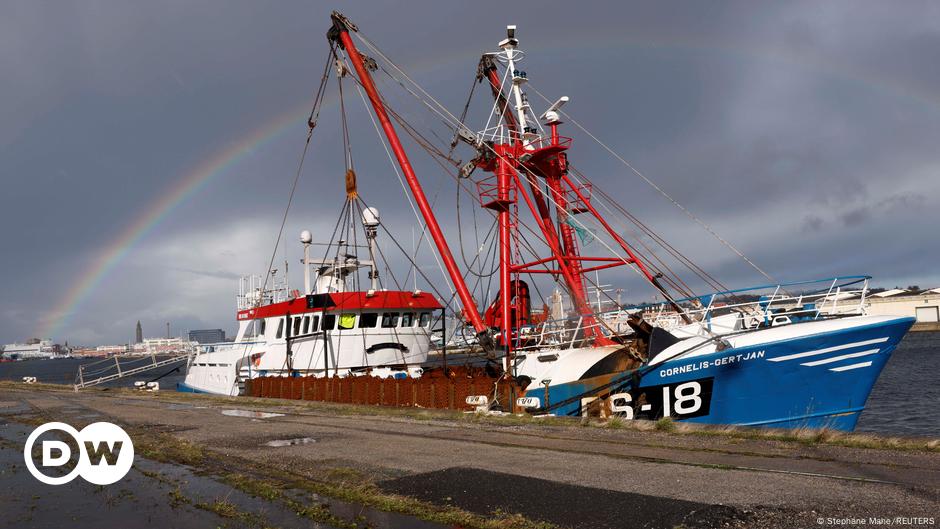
<point x="400" y="180"/>
<point x="311" y="124"/>
<point x="662" y="192"/>
<point x="446" y="115"/>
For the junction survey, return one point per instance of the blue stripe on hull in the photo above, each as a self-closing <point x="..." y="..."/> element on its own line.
<point x="748" y="387"/>
<point x="183" y="387"/>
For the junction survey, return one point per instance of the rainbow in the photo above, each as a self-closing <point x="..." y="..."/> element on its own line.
<point x="204" y="173"/>
<point x="185" y="187"/>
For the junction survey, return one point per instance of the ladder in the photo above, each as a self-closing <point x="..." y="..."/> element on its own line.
<point x="112" y="369"/>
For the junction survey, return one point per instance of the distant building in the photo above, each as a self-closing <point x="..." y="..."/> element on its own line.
<point x="166" y="345"/>
<point x="140" y="333"/>
<point x="33" y="348"/>
<point x="207" y="336"/>
<point x="89" y="352"/>
<point x="923" y="305"/>
<point x="109" y="350"/>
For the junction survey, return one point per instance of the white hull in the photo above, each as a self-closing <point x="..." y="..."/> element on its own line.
<point x="384" y="350"/>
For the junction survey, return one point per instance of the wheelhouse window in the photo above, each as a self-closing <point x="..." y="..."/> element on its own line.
<point x="329" y="322"/>
<point x="368" y="320"/>
<point x="316" y="324"/>
<point x="296" y="329"/>
<point x="306" y="327"/>
<point x="425" y="319"/>
<point x="262" y="327"/>
<point x="280" y="328"/>
<point x="252" y="329"/>
<point x="347" y="321"/>
<point x="389" y="320"/>
<point x="408" y="319"/>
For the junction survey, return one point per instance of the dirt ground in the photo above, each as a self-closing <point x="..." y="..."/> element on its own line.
<point x="565" y="475"/>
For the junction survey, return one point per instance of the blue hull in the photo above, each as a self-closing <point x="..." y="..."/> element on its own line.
<point x="182" y="387"/>
<point x="814" y="381"/>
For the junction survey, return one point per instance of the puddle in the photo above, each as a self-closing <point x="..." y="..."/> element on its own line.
<point x="13" y="407"/>
<point x="156" y="494"/>
<point x="251" y="414"/>
<point x="277" y="443"/>
<point x="152" y="494"/>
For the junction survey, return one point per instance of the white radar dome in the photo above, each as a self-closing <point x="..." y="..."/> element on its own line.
<point x="306" y="237"/>
<point x="370" y="217"/>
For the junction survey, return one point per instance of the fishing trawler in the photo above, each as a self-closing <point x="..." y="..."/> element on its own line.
<point x="781" y="355"/>
<point x="331" y="328"/>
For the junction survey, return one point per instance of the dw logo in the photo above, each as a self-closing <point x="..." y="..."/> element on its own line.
<point x="106" y="453"/>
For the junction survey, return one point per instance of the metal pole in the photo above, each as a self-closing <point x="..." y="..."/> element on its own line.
<point x="470" y="307"/>
<point x="504" y="172"/>
<point x="307" y="268"/>
<point x="287" y="342"/>
<point x="547" y="226"/>
<point x="444" y="337"/>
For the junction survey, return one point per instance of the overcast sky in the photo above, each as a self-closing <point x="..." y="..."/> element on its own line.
<point x="804" y="133"/>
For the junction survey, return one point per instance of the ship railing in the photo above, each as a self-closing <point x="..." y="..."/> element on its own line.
<point x="212" y="347"/>
<point x="254" y="292"/>
<point x="766" y="305"/>
<point x="567" y="333"/>
<point x="120" y="366"/>
<point x="712" y="314"/>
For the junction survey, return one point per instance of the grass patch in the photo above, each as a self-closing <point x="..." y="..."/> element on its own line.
<point x="349" y="485"/>
<point x="164" y="447"/>
<point x="816" y="437"/>
<point x="220" y="507"/>
<point x="341" y="483"/>
<point x="799" y="436"/>
<point x="177" y="498"/>
<point x="666" y="424"/>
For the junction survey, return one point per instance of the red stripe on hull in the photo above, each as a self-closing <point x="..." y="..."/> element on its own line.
<point x="358" y="301"/>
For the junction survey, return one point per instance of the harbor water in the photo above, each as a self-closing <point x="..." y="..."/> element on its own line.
<point x="901" y="403"/>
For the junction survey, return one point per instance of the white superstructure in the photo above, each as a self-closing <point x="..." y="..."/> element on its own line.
<point x="32" y="349"/>
<point x="326" y="330"/>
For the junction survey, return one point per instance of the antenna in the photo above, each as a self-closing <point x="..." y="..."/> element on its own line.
<point x="551" y="115"/>
<point x="371" y="222"/>
<point x="510" y="39"/>
<point x="306" y="238"/>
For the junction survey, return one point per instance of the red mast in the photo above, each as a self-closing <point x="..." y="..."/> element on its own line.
<point x="527" y="153"/>
<point x="523" y="152"/>
<point x="340" y="33"/>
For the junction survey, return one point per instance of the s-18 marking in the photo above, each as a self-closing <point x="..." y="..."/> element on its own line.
<point x="681" y="400"/>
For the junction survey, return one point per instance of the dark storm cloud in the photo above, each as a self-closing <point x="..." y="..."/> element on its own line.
<point x="805" y="133"/>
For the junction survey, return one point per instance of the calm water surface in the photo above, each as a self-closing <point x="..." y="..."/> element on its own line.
<point x="903" y="402"/>
<point x="63" y="371"/>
